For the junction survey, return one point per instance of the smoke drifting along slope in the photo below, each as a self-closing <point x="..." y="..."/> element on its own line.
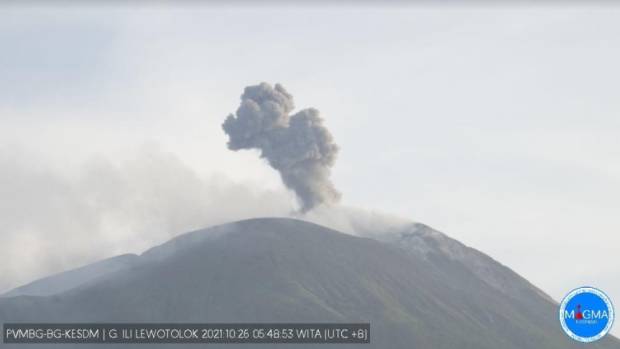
<point x="53" y="220"/>
<point x="300" y="147"/>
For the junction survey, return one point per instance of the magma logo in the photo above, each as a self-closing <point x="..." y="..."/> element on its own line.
<point x="586" y="314"/>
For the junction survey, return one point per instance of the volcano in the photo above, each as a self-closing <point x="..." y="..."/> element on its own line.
<point x="416" y="287"/>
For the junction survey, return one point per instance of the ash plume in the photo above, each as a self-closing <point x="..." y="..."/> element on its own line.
<point x="299" y="146"/>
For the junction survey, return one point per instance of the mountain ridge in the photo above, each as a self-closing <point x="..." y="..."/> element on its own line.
<point x="274" y="269"/>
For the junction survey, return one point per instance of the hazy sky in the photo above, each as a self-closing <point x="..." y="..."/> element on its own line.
<point x="498" y="126"/>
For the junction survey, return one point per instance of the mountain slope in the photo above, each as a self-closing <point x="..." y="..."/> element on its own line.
<point x="285" y="270"/>
<point x="433" y="245"/>
<point x="67" y="280"/>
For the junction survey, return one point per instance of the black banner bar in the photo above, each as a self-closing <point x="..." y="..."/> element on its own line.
<point x="186" y="333"/>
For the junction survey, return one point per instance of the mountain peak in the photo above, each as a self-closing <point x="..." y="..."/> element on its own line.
<point x="288" y="270"/>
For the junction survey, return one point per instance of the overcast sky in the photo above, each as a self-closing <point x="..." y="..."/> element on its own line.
<point x="498" y="126"/>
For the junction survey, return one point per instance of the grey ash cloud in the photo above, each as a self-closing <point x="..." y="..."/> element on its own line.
<point x="298" y="146"/>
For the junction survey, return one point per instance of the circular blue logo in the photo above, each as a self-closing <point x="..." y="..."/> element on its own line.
<point x="586" y="314"/>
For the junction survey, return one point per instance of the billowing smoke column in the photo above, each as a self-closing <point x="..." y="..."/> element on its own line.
<point x="297" y="145"/>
